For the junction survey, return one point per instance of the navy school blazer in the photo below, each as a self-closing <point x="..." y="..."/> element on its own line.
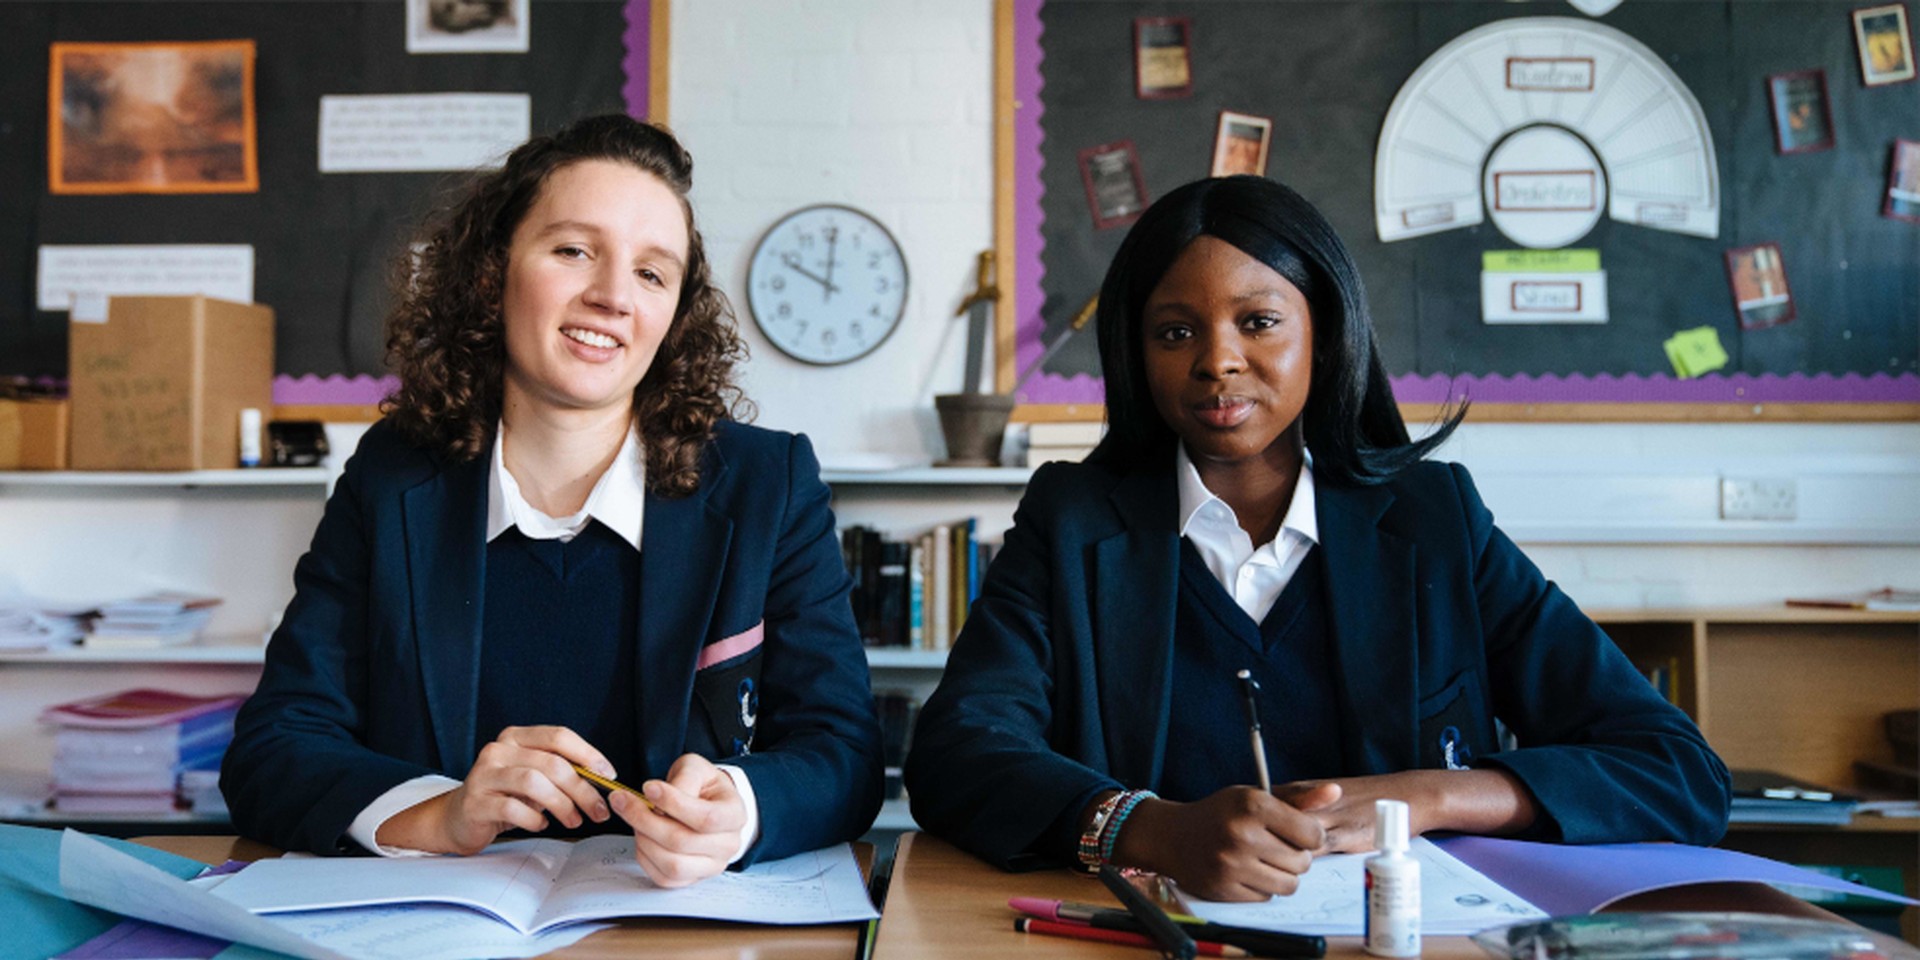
<point x="1061" y="679"/>
<point x="371" y="679"/>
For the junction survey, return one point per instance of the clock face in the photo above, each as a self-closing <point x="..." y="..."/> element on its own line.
<point x="827" y="284"/>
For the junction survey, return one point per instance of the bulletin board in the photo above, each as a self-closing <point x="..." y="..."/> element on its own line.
<point x="322" y="243"/>
<point x="1327" y="73"/>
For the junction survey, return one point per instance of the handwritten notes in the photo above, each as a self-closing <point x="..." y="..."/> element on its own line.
<point x="215" y="270"/>
<point x="416" y="132"/>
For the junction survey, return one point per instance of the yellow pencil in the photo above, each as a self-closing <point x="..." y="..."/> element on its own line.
<point x="608" y="783"/>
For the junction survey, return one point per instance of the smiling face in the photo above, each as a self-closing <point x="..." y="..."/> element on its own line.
<point x="593" y="277"/>
<point x="1228" y="352"/>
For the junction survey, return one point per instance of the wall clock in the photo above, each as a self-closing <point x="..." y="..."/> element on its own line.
<point x="827" y="284"/>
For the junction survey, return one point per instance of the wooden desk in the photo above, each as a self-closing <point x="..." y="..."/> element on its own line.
<point x="688" y="939"/>
<point x="944" y="904"/>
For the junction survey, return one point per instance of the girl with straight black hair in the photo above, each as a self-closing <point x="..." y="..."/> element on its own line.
<point x="1258" y="508"/>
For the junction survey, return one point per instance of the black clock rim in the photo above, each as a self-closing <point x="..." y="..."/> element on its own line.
<point x="906" y="282"/>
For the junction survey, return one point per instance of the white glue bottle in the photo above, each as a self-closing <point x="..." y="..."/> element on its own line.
<point x="250" y="437"/>
<point x="1393" y="886"/>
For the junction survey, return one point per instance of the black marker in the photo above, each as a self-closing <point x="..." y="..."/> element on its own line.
<point x="1161" y="927"/>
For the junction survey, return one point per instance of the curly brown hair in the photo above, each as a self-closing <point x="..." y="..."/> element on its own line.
<point x="446" y="337"/>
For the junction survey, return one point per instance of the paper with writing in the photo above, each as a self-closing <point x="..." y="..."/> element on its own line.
<point x="1455" y="899"/>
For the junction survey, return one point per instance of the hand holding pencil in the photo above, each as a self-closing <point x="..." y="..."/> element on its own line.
<point x="524" y="779"/>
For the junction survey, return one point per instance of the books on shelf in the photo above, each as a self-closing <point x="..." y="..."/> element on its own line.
<point x="1764" y="796"/>
<point x="1883" y="599"/>
<point x="1664" y="674"/>
<point x="898" y="709"/>
<point x="914" y="593"/>
<point x="1068" y="441"/>
<point x="30" y="628"/>
<point x="155" y="620"/>
<point x="126" y="752"/>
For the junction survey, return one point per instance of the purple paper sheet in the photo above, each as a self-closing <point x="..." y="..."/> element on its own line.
<point x="1565" y="879"/>
<point x="140" y="940"/>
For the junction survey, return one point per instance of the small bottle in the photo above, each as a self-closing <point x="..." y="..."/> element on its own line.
<point x="250" y="437"/>
<point x="1393" y="886"/>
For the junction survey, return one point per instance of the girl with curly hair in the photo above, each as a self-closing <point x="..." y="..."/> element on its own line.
<point x="477" y="615"/>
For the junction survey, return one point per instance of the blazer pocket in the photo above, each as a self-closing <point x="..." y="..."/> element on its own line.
<point x="726" y="683"/>
<point x="1449" y="723"/>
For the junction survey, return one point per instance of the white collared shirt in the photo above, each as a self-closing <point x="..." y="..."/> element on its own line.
<point x="1253" y="577"/>
<point x="618" y="500"/>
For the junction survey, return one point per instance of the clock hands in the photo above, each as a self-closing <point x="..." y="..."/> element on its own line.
<point x="793" y="263"/>
<point x="833" y="235"/>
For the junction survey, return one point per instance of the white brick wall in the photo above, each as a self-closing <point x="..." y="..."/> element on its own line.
<point x="886" y="105"/>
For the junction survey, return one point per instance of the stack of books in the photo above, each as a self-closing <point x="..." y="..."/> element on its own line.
<point x="155" y="620"/>
<point x="125" y="753"/>
<point x="1047" y="442"/>
<point x="1763" y="796"/>
<point x="28" y="628"/>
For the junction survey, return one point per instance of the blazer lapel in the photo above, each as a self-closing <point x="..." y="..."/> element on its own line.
<point x="1136" y="578"/>
<point x="1370" y="592"/>
<point x="682" y="559"/>
<point x="446" y="522"/>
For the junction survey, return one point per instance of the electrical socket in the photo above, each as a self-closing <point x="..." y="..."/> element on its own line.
<point x="1759" y="498"/>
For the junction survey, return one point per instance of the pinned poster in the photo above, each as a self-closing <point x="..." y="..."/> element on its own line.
<point x="1542" y="286"/>
<point x="1696" y="351"/>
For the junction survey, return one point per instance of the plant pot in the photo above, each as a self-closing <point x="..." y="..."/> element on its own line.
<point x="973" y="424"/>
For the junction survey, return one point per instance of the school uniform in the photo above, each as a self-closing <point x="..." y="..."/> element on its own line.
<point x="1389" y="636"/>
<point x="419" y="626"/>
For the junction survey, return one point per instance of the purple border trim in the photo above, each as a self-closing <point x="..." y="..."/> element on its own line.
<point x="1662" y="388"/>
<point x="639" y="41"/>
<point x="333" y="390"/>
<point x="1493" y="388"/>
<point x="1028" y="324"/>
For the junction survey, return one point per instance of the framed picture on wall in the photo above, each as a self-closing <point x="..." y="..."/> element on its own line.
<point x="1240" y="144"/>
<point x="1162" y="57"/>
<point x="1759" y="281"/>
<point x="1802" y="115"/>
<point x="468" y="26"/>
<point x="1885" y="44"/>
<point x="152" y="118"/>
<point x="1903" y="182"/>
<point x="1116" y="191"/>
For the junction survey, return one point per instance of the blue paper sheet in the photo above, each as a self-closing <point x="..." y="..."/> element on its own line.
<point x="40" y="921"/>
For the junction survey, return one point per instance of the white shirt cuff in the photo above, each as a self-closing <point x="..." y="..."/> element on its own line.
<point x="418" y="790"/>
<point x="750" y="831"/>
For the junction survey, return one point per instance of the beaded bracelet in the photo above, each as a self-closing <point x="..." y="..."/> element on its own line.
<point x="1090" y="859"/>
<point x="1111" y="832"/>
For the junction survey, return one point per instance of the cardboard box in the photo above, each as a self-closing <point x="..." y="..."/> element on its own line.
<point x="161" y="384"/>
<point x="33" y="434"/>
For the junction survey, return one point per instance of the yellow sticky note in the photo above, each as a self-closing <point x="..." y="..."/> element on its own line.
<point x="1694" y="352"/>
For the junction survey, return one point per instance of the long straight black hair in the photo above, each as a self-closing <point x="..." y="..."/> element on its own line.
<point x="1353" y="428"/>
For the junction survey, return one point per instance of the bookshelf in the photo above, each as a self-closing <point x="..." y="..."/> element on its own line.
<point x="86" y="537"/>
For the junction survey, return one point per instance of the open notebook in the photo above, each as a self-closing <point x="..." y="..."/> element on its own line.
<point x="537" y="885"/>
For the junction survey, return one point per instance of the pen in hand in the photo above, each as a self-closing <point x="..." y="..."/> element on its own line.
<point x="1249" y="689"/>
<point x="608" y="783"/>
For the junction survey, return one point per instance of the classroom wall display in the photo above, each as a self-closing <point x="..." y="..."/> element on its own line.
<point x="1672" y="103"/>
<point x="322" y="242"/>
<point x="151" y="118"/>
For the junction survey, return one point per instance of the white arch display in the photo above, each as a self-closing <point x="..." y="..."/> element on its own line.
<point x="1593" y="80"/>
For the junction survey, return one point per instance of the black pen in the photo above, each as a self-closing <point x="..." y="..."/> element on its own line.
<point x="1264" y="943"/>
<point x="1249" y="688"/>
<point x="1161" y="927"/>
